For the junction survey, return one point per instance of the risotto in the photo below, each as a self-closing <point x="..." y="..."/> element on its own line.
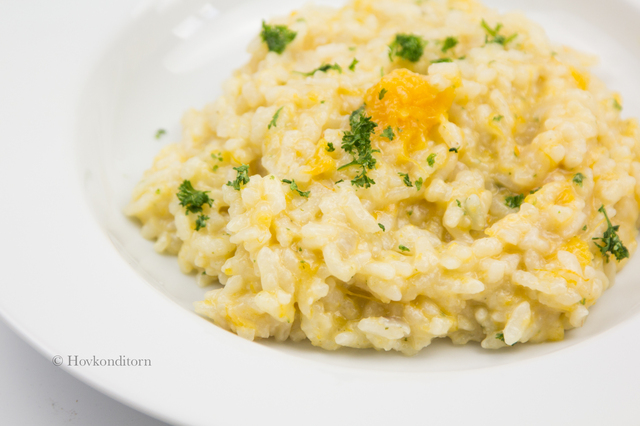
<point x="396" y="171"/>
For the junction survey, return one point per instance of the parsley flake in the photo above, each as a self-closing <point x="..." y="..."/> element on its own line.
<point x="330" y="147"/>
<point x="441" y="60"/>
<point x="355" y="62"/>
<point x="242" y="178"/>
<point x="419" y="184"/>
<point x="495" y="36"/>
<point x="201" y="222"/>
<point x="431" y="159"/>
<point x="617" y="105"/>
<point x="403" y="248"/>
<point x="277" y="37"/>
<point x="322" y="68"/>
<point x="458" y="203"/>
<point x="406" y="179"/>
<point x="533" y="191"/>
<point x="274" y="120"/>
<point x="192" y="199"/>
<point x="578" y="178"/>
<point x="449" y="43"/>
<point x="611" y="241"/>
<point x="584" y="228"/>
<point x="454" y="150"/>
<point x="514" y="201"/>
<point x="388" y="133"/>
<point x="160" y="133"/>
<point x="382" y="93"/>
<point x="407" y="46"/>
<point x="500" y="336"/>
<point x="357" y="142"/>
<point x="498" y="117"/>
<point x="294" y="187"/>
<point x="382" y="227"/>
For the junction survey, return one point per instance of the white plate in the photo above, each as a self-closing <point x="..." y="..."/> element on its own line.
<point x="84" y="89"/>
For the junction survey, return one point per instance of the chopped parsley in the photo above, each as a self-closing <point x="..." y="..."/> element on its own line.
<point x="382" y="93"/>
<point x="322" y="68"/>
<point x="201" y="222"/>
<point x="388" y="133"/>
<point x="500" y="336"/>
<point x="294" y="187"/>
<point x="584" y="228"/>
<point x="453" y="150"/>
<point x="495" y="36"/>
<point x="217" y="156"/>
<point x="406" y="179"/>
<point x="160" y="133"/>
<point x="514" y="201"/>
<point x="431" y="159"/>
<point x="158" y="191"/>
<point x="578" y="178"/>
<point x="274" y="120"/>
<point x="498" y="118"/>
<point x="403" y="248"/>
<point x="407" y="46"/>
<point x="357" y="142"/>
<point x="449" y="43"/>
<point x="441" y="60"/>
<point x="617" y="105"/>
<point x="192" y="199"/>
<point x="330" y="147"/>
<point x="458" y="203"/>
<point x="355" y="62"/>
<point x="382" y="227"/>
<point x="340" y="181"/>
<point x="583" y="301"/>
<point x="611" y="241"/>
<point x="533" y="191"/>
<point x="419" y="184"/>
<point x="242" y="178"/>
<point x="277" y="37"/>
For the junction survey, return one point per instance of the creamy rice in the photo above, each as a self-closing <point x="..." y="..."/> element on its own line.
<point x="510" y="150"/>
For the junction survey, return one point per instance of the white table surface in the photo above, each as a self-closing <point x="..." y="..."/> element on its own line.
<point x="34" y="392"/>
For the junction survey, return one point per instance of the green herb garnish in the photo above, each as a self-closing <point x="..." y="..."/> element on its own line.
<point x="382" y="227"/>
<point x="242" y="178"/>
<point x="355" y="62"/>
<point x="431" y="159"/>
<point x="403" y="248"/>
<point x="357" y="142"/>
<point x="495" y="36"/>
<point x="449" y="43"/>
<point x="578" y="178"/>
<point x="160" y="133"/>
<point x="406" y="179"/>
<point x="514" y="201"/>
<point x="584" y="228"/>
<point x="419" y="184"/>
<point x="458" y="203"/>
<point x="294" y="187"/>
<point x="407" y="46"/>
<point x="274" y="120"/>
<point x="322" y="68"/>
<point x="192" y="199"/>
<point x="277" y="37"/>
<point x="441" y="60"/>
<point x="201" y="222"/>
<point x="500" y="336"/>
<point x="382" y="93"/>
<point x="611" y="241"/>
<point x="453" y="150"/>
<point x="388" y="133"/>
<point x="330" y="147"/>
<point x="617" y="105"/>
<point x="533" y="191"/>
<point x="498" y="118"/>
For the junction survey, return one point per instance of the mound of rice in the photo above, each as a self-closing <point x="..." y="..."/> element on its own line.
<point x="494" y="152"/>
